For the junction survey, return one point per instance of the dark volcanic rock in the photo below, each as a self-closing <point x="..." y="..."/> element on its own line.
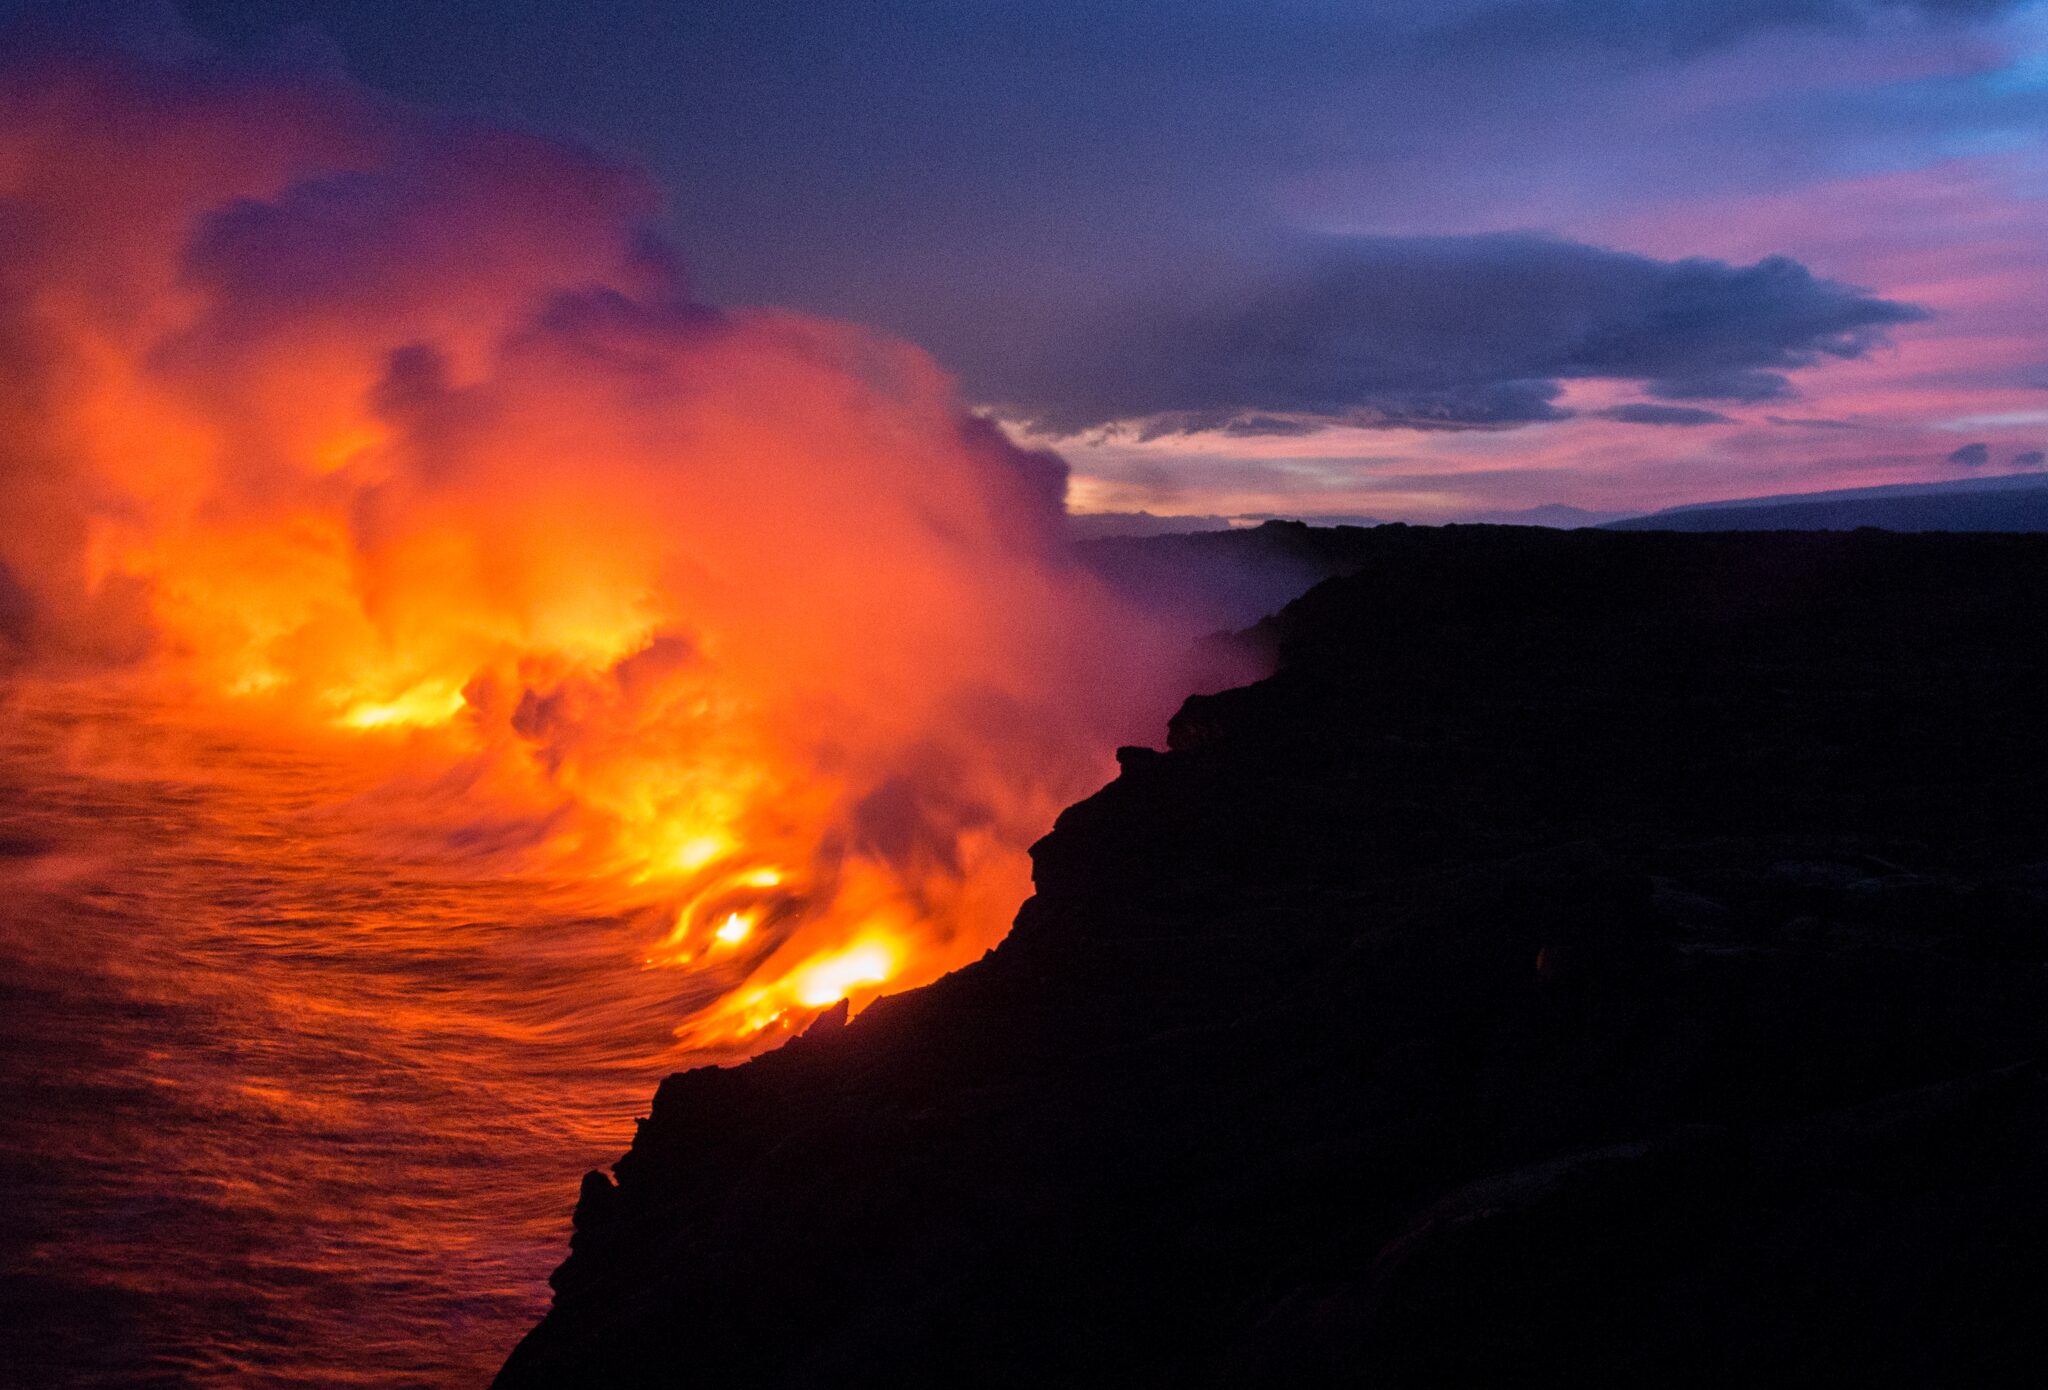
<point x="1592" y="957"/>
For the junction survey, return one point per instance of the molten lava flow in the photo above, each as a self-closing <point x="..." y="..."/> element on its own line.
<point x="328" y="421"/>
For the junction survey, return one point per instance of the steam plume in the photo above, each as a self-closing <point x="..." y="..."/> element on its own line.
<point x="331" y="418"/>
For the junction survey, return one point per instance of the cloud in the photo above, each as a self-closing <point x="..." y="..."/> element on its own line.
<point x="1811" y="423"/>
<point x="1971" y="456"/>
<point x="1475" y="332"/>
<point x="2032" y="458"/>
<point x="1231" y="423"/>
<point x="1272" y="426"/>
<point x="1744" y="387"/>
<point x="1682" y="28"/>
<point x="998" y="191"/>
<point x="1643" y="413"/>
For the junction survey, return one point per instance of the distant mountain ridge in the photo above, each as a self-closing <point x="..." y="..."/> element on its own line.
<point x="2007" y="502"/>
<point x="2004" y="502"/>
<point x="1999" y="482"/>
<point x="1556" y="516"/>
<point x="1095" y="526"/>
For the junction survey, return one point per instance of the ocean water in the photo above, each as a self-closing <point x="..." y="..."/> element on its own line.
<point x="287" y="1097"/>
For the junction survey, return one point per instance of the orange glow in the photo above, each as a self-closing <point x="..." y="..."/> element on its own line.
<point x="830" y="980"/>
<point x="734" y="617"/>
<point x="424" y="704"/>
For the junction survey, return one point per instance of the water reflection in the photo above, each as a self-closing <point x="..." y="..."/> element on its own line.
<point x="278" y="1109"/>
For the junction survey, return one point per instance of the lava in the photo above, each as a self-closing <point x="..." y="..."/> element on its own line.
<point x="332" y="421"/>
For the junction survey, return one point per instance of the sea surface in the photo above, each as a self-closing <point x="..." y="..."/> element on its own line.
<point x="288" y="1095"/>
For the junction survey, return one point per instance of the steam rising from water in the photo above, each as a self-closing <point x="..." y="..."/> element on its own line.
<point x="404" y="441"/>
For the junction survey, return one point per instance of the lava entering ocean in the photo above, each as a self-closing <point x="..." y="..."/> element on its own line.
<point x="332" y="423"/>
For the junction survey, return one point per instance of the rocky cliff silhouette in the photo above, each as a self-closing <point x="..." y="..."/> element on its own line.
<point x="1591" y="958"/>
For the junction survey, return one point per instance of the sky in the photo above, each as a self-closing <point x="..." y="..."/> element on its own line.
<point x="1418" y="259"/>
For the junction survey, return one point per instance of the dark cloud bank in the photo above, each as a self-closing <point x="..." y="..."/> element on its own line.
<point x="1978" y="455"/>
<point x="1087" y="210"/>
<point x="1647" y="413"/>
<point x="1475" y="332"/>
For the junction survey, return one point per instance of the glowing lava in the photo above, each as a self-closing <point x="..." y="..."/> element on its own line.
<point x="829" y="980"/>
<point x="330" y="420"/>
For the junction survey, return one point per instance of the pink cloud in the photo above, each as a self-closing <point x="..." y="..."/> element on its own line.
<point x="1966" y="239"/>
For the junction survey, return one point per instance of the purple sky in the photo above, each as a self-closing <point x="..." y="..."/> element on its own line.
<point x="1414" y="259"/>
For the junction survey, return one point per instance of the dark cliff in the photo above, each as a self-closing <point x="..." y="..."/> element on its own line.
<point x="1591" y="957"/>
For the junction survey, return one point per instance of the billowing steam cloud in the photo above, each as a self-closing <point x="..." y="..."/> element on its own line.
<point x="324" y="415"/>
